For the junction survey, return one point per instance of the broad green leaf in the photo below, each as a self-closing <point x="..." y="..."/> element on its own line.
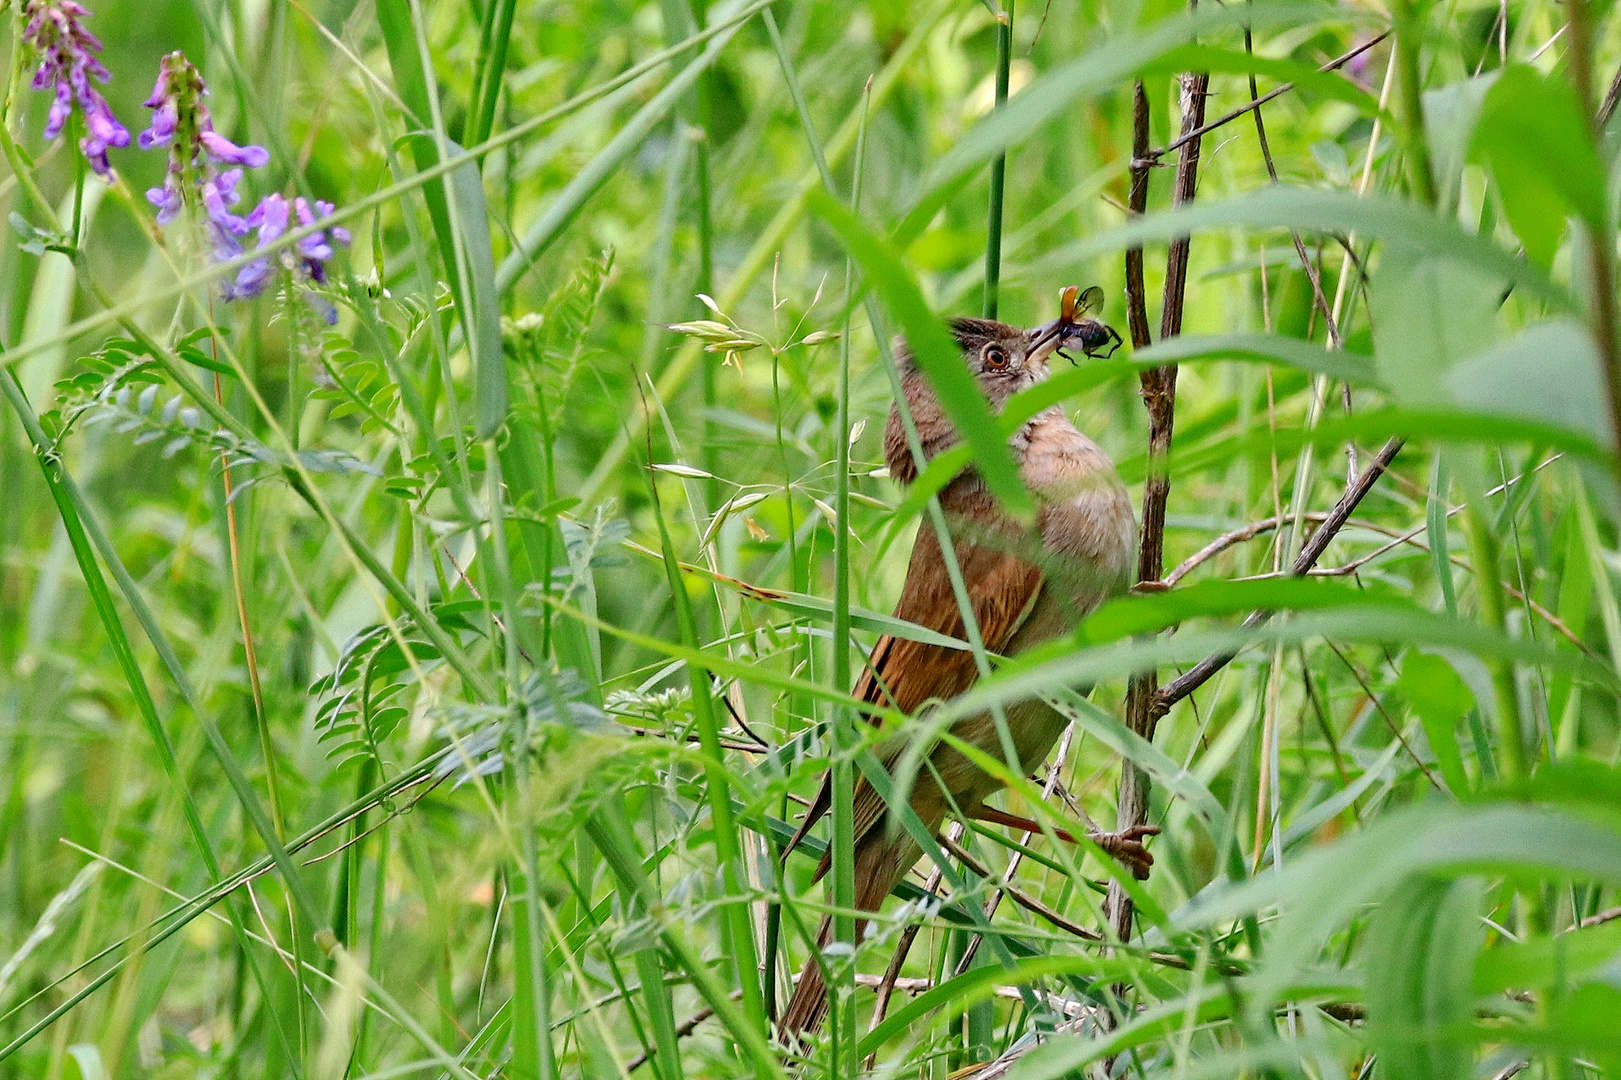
<point x="1433" y="424"/>
<point x="1417" y="964"/>
<point x="1450" y="115"/>
<point x="1441" y="699"/>
<point x="1548" y="961"/>
<point x="1060" y="664"/>
<point x="1321" y="890"/>
<point x="1220" y="61"/>
<point x="1588" y="1020"/>
<point x="1549" y="373"/>
<point x="934" y="348"/>
<point x="1131" y="615"/>
<point x="481" y="305"/>
<point x="1433" y="311"/>
<point x="1536" y="142"/>
<point x="1578" y="783"/>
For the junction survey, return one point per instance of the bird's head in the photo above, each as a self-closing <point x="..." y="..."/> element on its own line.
<point x="1003" y="359"/>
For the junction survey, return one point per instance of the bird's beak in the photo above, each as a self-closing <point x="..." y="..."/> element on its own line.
<point x="1044" y="339"/>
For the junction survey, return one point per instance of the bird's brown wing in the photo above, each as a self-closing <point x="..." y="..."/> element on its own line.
<point x="902" y="674"/>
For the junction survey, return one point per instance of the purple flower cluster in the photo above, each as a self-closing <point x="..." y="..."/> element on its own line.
<point x="306" y="259"/>
<point x="181" y="121"/>
<point x="197" y="153"/>
<point x="68" y="64"/>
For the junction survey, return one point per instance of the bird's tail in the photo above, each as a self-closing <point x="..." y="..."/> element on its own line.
<point x="881" y="861"/>
<point x="808" y="1007"/>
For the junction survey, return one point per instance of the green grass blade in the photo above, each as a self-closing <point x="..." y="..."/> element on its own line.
<point x="737" y="930"/>
<point x="601" y="168"/>
<point x="1403" y="226"/>
<point x="936" y="352"/>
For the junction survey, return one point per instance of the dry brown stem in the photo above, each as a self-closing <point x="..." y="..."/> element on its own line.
<point x="1159" y="396"/>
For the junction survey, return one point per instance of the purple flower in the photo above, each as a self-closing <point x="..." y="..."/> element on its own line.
<point x="67" y="65"/>
<point x="306" y="259"/>
<point x="181" y="121"/>
<point x="178" y="109"/>
<point x="314" y="250"/>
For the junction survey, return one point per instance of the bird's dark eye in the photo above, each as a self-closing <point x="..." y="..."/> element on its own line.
<point x="994" y="357"/>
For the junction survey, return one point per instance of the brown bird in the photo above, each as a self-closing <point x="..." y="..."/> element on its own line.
<point x="1028" y="584"/>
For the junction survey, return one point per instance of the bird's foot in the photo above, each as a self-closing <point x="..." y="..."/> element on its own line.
<point x="1126" y="846"/>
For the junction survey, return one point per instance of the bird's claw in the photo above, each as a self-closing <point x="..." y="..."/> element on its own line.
<point x="1127" y="847"/>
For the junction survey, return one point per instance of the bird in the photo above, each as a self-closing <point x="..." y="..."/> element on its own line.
<point x="1029" y="582"/>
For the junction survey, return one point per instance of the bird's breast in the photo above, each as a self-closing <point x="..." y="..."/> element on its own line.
<point x="1086" y="520"/>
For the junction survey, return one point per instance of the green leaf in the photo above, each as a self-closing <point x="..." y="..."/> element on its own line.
<point x="936" y="352"/>
<point x="1535" y="139"/>
<point x="88" y="1058"/>
<point x="1265" y="348"/>
<point x="1434" y="424"/>
<point x="481" y="306"/>
<point x="193" y="355"/>
<point x="1328" y="84"/>
<point x="1403" y="226"/>
<point x="1418" y="965"/>
<point x="1434" y="310"/>
<point x="978" y="984"/>
<point x="1133" y="615"/>
<point x="1441" y="699"/>
<point x="1323" y="889"/>
<point x="1104" y="69"/>
<point x="399" y="36"/>
<point x="1060" y="664"/>
<point x="1450" y="115"/>
<point x="1549" y="373"/>
<point x="1547" y="961"/>
<point x="1578" y="783"/>
<point x="1146" y="756"/>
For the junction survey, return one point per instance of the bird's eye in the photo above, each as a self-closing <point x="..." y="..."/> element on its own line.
<point x="994" y="357"/>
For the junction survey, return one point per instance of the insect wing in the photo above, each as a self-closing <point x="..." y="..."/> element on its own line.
<point x="1067" y="300"/>
<point x="1089" y="302"/>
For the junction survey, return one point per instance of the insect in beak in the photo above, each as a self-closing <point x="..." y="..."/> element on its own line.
<point x="1074" y="326"/>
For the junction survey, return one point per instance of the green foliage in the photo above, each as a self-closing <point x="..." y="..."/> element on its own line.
<point x="467" y="745"/>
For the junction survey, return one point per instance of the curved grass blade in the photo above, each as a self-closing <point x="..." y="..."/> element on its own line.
<point x="1104" y="69"/>
<point x="934" y="349"/>
<point x="601" y="168"/>
<point x="1401" y="225"/>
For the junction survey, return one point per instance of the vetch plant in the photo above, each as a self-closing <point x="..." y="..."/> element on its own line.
<point x="504" y="663"/>
<point x="306" y="260"/>
<point x="67" y="67"/>
<point x="181" y="121"/>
